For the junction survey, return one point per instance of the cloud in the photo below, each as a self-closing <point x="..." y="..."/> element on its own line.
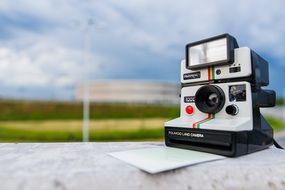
<point x="40" y="46"/>
<point x="43" y="65"/>
<point x="160" y="25"/>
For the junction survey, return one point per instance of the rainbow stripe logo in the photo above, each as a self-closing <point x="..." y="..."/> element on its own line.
<point x="196" y="125"/>
<point x="211" y="76"/>
<point x="211" y="73"/>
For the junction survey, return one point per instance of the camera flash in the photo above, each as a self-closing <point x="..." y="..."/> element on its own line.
<point x="208" y="52"/>
<point x="212" y="51"/>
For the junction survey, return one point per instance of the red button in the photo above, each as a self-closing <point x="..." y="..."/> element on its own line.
<point x="189" y="110"/>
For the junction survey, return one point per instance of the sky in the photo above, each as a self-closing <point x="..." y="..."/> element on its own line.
<point x="43" y="43"/>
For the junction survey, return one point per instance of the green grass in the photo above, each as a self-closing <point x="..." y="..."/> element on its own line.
<point x="280" y="101"/>
<point x="100" y="130"/>
<point x="44" y="121"/>
<point x="276" y="124"/>
<point x="37" y="121"/>
<point x="43" y="110"/>
<point x="66" y="131"/>
<point x="18" y="135"/>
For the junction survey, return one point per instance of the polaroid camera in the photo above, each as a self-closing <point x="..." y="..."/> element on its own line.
<point x="221" y="97"/>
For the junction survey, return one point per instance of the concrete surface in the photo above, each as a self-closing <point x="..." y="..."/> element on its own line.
<point x="82" y="166"/>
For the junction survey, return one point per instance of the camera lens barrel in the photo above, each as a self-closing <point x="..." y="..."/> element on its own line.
<point x="210" y="99"/>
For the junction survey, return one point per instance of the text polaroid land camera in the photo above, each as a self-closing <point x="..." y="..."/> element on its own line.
<point x="220" y="99"/>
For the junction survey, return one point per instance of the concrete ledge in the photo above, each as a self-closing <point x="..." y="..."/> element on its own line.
<point x="70" y="166"/>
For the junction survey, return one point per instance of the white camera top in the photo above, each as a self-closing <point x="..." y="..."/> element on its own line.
<point x="219" y="59"/>
<point x="241" y="67"/>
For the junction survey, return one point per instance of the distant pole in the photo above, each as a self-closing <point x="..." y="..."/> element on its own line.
<point x="86" y="100"/>
<point x="87" y="29"/>
<point x="86" y="113"/>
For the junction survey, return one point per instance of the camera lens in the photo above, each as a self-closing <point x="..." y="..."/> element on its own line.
<point x="210" y="99"/>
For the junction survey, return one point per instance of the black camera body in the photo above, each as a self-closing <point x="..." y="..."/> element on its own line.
<point x="221" y="97"/>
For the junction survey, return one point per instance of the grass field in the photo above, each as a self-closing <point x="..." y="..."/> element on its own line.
<point x="43" y="121"/>
<point x="63" y="130"/>
<point x="31" y="121"/>
<point x="44" y="110"/>
<point x="101" y="130"/>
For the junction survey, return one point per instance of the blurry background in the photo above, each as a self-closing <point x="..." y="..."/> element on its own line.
<point x="121" y="58"/>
